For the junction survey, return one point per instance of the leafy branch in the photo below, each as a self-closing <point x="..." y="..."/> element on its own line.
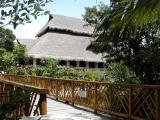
<point x="17" y="12"/>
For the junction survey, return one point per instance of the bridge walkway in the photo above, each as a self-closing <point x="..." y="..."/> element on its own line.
<point x="58" y="110"/>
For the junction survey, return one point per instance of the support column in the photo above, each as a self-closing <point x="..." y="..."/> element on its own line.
<point x="34" y="62"/>
<point x="96" y="65"/>
<point x="87" y="64"/>
<point x="77" y="64"/>
<point x="43" y="104"/>
<point x="68" y="63"/>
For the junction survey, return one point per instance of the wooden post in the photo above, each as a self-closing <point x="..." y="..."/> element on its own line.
<point x="95" y="98"/>
<point x="56" y="89"/>
<point x="96" y="65"/>
<point x="157" y="95"/>
<point x="68" y="63"/>
<point x="110" y="96"/>
<point x="73" y="93"/>
<point x="27" y="107"/>
<point x="87" y="64"/>
<point x="43" y="104"/>
<point x="130" y="103"/>
<point x="77" y="64"/>
<point x="34" y="62"/>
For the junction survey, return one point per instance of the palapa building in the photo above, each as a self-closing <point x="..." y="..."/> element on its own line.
<point x="66" y="39"/>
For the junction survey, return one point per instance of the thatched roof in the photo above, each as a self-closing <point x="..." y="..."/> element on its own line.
<point x="65" y="38"/>
<point x="28" y="42"/>
<point x="66" y="24"/>
<point x="64" y="47"/>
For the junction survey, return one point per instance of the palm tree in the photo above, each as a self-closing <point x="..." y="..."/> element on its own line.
<point x="138" y="12"/>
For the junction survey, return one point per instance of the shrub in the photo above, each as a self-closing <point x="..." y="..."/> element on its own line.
<point x="120" y="74"/>
<point x="7" y="60"/>
<point x="12" y="70"/>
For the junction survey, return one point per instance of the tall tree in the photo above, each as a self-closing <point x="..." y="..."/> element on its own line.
<point x="17" y="12"/>
<point x="136" y="46"/>
<point x="6" y="39"/>
<point x="95" y="14"/>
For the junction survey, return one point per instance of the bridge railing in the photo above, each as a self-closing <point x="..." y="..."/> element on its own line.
<point x="18" y="99"/>
<point x="126" y="100"/>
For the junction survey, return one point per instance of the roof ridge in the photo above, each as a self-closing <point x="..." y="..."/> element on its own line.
<point x="67" y="24"/>
<point x="66" y="16"/>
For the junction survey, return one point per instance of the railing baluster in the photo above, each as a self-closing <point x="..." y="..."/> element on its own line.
<point x="130" y="102"/>
<point x="56" y="90"/>
<point x="157" y="95"/>
<point x="72" y="90"/>
<point x="95" y="98"/>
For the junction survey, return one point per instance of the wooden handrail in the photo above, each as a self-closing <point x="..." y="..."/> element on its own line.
<point x="26" y="87"/>
<point x="114" y="84"/>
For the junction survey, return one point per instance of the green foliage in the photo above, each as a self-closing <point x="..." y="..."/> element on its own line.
<point x="115" y="72"/>
<point x="7" y="60"/>
<point x="51" y="63"/>
<point x="6" y="39"/>
<point x="119" y="73"/>
<point x="9" y="107"/>
<point x="95" y="75"/>
<point x="63" y="72"/>
<point x="128" y="43"/>
<point x="20" y="54"/>
<point x="49" y="68"/>
<point x="95" y="14"/>
<point x="17" y="12"/>
<point x="2" y="50"/>
<point x="36" y="71"/>
<point x="68" y="73"/>
<point x="11" y="56"/>
<point x="138" y="12"/>
<point x="12" y="70"/>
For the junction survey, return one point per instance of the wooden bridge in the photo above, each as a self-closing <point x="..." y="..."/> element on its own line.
<point x="136" y="102"/>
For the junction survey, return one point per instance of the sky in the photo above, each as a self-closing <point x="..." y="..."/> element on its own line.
<point x="73" y="8"/>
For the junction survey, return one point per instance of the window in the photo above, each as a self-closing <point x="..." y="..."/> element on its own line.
<point x="73" y="63"/>
<point x="101" y="65"/>
<point x="91" y="65"/>
<point x="62" y="63"/>
<point x="82" y="64"/>
<point x="30" y="61"/>
<point x="38" y="61"/>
